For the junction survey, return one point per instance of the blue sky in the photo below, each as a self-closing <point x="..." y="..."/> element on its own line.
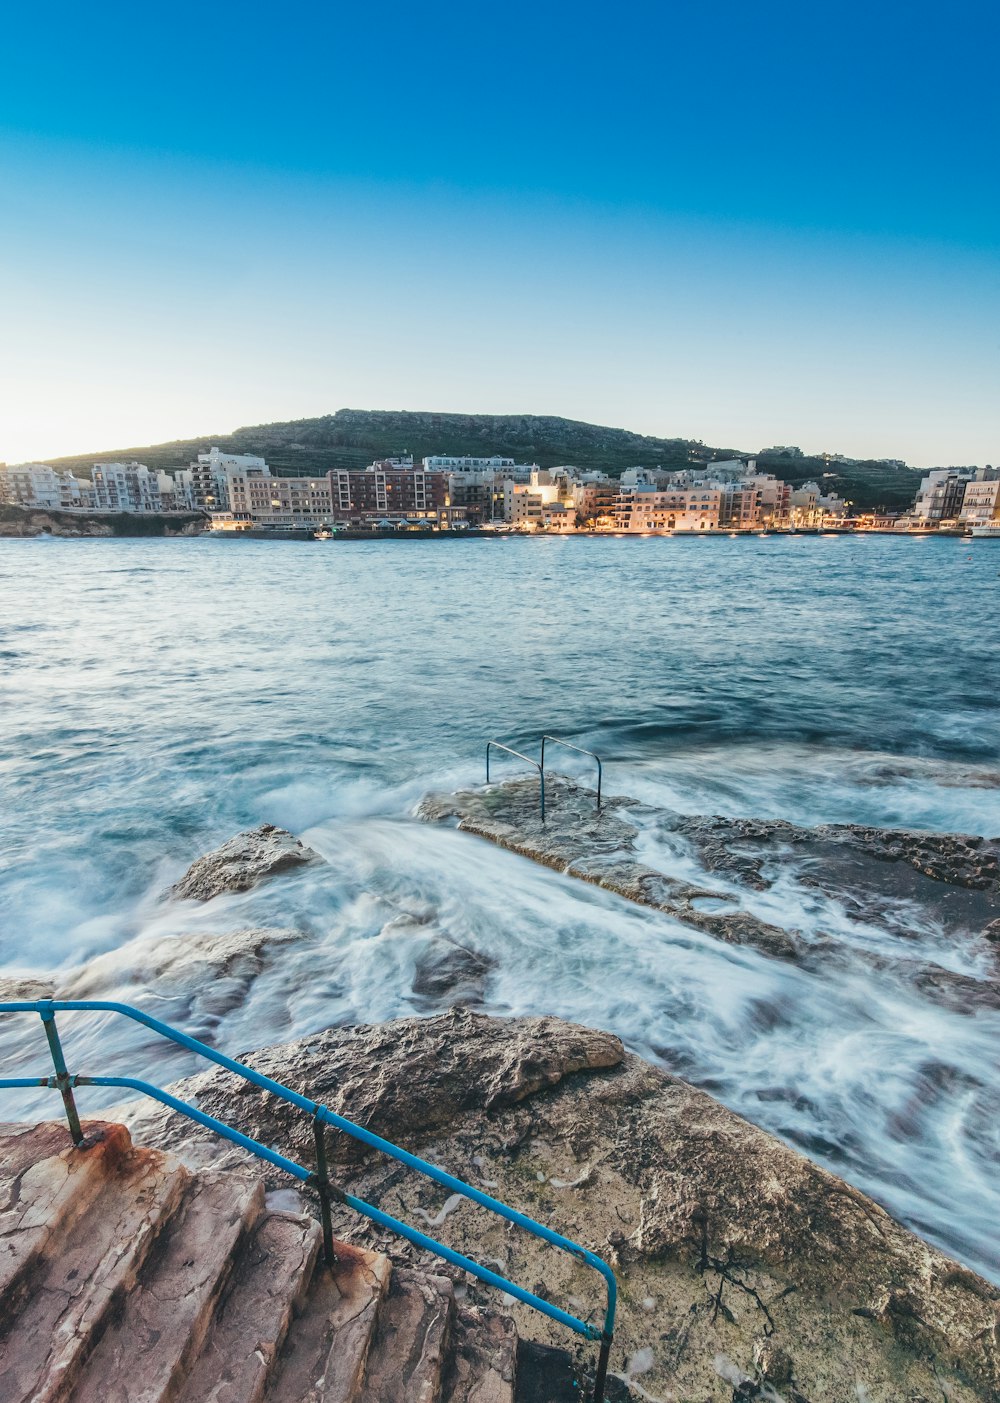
<point x="747" y="224"/>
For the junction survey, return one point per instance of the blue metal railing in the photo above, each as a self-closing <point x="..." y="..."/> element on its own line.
<point x="496" y="745"/>
<point x="558" y="740"/>
<point x="65" y="1083"/>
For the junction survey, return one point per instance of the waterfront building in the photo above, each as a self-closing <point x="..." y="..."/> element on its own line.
<point x="125" y="487"/>
<point x="810" y="506"/>
<point x="39" y="485"/>
<point x="385" y="492"/>
<point x="210" y="473"/>
<point x="940" y="496"/>
<point x="644" y="509"/>
<point x="594" y="495"/>
<point x="526" y="504"/>
<point x="478" y="497"/>
<point x="257" y="498"/>
<point x="981" y="500"/>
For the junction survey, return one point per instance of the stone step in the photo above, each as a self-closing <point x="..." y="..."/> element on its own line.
<point x="407" y="1356"/>
<point x="82" y="1277"/>
<point x="324" y="1356"/>
<point x="45" y="1185"/>
<point x="270" y="1279"/>
<point x="482" y="1363"/>
<point x="167" y="1314"/>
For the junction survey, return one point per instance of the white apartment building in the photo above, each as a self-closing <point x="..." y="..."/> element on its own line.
<point x="210" y="476"/>
<point x="38" y="485"/>
<point x="176" y="490"/>
<point x="981" y="503"/>
<point x="441" y="463"/>
<point x="505" y="467"/>
<point x="125" y="487"/>
<point x="643" y="509"/>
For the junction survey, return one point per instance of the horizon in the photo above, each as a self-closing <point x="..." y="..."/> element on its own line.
<point x="742" y="228"/>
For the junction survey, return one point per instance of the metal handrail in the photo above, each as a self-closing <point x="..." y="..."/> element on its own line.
<point x="558" y="740"/>
<point x="65" y="1083"/>
<point x="527" y="760"/>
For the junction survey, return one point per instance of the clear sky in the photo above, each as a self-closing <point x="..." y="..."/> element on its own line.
<point x="749" y="224"/>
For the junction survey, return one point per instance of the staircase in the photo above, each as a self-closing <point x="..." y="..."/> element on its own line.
<point x="126" y="1278"/>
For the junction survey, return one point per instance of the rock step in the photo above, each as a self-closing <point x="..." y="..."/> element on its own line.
<point x="482" y="1363"/>
<point x="411" y="1335"/>
<point x="82" y="1274"/>
<point x="45" y="1185"/>
<point x="324" y="1356"/>
<point x="270" y="1278"/>
<point x="168" y="1312"/>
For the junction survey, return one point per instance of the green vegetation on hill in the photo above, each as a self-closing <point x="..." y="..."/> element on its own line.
<point x="352" y="438"/>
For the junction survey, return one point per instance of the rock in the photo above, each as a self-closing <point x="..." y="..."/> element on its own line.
<point x="721" y="1235"/>
<point x="741" y="846"/>
<point x="445" y="969"/>
<point x="595" y="845"/>
<point x="411" y="1076"/>
<point x="773" y="1363"/>
<point x="242" y="863"/>
<point x="196" y="978"/>
<point x="25" y="990"/>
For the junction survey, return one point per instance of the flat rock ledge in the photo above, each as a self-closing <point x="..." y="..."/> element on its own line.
<point x="597" y="846"/>
<point x="745" y="1271"/>
<point x="876" y="875"/>
<point x="241" y="863"/>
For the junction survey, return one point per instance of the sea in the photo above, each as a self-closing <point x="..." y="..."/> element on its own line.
<point x="157" y="696"/>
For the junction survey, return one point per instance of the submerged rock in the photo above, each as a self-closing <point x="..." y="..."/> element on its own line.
<point x="726" y="1242"/>
<point x="195" y="979"/>
<point x="445" y="969"/>
<point x="242" y="863"/>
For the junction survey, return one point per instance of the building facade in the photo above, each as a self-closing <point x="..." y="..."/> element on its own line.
<point x="38" y="485"/>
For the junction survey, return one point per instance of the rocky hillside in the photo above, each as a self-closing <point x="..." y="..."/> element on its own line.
<point x="351" y="438"/>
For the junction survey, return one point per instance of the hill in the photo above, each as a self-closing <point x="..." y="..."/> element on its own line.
<point x="351" y="438"/>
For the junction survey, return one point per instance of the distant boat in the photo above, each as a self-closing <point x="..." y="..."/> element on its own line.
<point x="988" y="532"/>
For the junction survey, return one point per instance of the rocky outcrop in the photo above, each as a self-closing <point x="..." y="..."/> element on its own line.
<point x="876" y="875"/>
<point x="33" y="521"/>
<point x="597" y="846"/>
<point x="743" y="1267"/>
<point x="241" y="863"/>
<point x="958" y="859"/>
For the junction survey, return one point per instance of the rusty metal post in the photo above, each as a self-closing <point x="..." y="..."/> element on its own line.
<point x="322" y="1180"/>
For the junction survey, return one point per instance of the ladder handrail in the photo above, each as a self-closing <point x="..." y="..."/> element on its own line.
<point x="558" y="740"/>
<point x="65" y="1083"/>
<point x="521" y="756"/>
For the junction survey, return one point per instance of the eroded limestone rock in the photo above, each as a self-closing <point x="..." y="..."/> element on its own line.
<point x="729" y="1246"/>
<point x="241" y="863"/>
<point x="596" y="845"/>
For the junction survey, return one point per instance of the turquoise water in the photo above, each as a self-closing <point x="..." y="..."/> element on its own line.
<point x="159" y="695"/>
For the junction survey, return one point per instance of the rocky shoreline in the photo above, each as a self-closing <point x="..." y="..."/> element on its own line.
<point x="25" y="522"/>
<point x="954" y="878"/>
<point x="746" y="1271"/>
